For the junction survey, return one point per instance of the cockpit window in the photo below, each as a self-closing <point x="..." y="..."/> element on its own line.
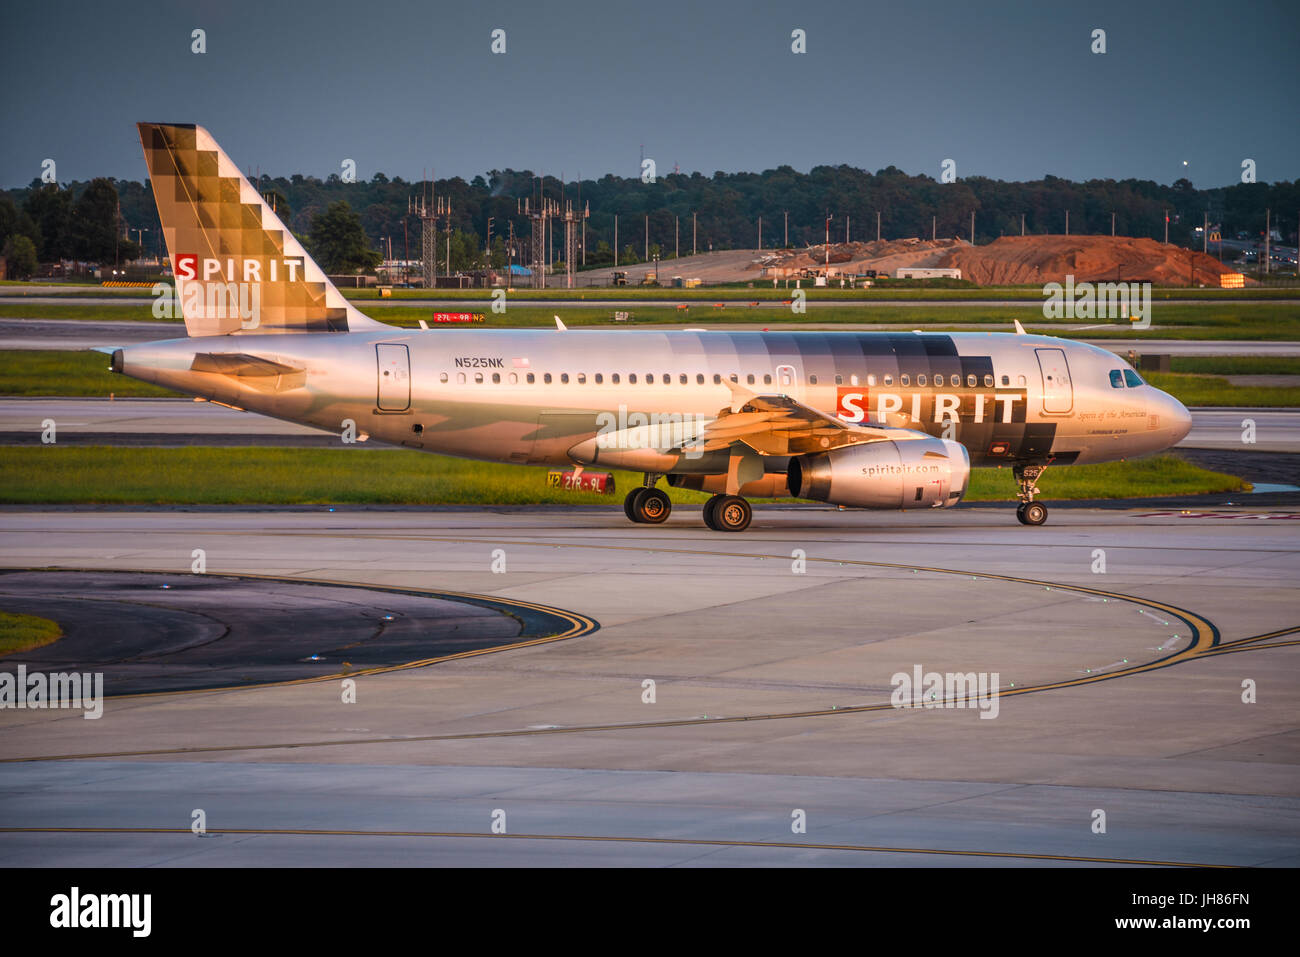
<point x="1117" y="378"/>
<point x="1132" y="379"/>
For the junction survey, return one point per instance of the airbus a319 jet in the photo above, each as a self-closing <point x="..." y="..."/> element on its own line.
<point x="878" y="420"/>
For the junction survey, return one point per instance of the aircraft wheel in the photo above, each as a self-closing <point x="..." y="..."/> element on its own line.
<point x="1032" y="513"/>
<point x="709" y="506"/>
<point x="652" y="506"/>
<point x="630" y="504"/>
<point x="731" y="514"/>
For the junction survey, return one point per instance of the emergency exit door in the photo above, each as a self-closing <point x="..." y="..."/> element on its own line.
<point x="1058" y="393"/>
<point x="394" y="362"/>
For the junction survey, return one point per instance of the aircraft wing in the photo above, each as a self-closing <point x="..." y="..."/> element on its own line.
<point x="780" y="425"/>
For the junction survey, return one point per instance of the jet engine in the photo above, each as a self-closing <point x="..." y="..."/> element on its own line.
<point x="910" y="473"/>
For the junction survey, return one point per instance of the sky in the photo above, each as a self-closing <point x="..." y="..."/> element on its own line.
<point x="1009" y="90"/>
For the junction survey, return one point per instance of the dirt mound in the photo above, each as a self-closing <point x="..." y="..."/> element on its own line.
<point x="884" y="256"/>
<point x="1034" y="260"/>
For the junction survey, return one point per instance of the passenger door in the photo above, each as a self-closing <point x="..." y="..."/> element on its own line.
<point x="1058" y="392"/>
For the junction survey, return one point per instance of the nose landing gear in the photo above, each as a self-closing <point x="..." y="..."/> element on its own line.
<point x="1029" y="512"/>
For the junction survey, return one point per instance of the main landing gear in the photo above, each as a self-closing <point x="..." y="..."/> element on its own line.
<point x="1029" y="512"/>
<point x="647" y="505"/>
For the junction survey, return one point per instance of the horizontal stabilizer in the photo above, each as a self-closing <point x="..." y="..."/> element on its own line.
<point x="239" y="364"/>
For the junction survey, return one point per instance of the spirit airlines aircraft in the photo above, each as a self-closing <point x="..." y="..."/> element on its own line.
<point x="864" y="419"/>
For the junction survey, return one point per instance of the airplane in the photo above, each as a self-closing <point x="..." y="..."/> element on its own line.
<point x="875" y="420"/>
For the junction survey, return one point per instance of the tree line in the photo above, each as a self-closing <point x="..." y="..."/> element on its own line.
<point x="343" y="224"/>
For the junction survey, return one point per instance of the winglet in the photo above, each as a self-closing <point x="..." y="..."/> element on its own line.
<point x="1020" y="330"/>
<point x="560" y="326"/>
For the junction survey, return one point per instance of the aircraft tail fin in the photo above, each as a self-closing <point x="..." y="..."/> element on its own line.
<point x="238" y="268"/>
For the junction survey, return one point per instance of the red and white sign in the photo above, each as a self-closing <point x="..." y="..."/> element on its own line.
<point x="458" y="317"/>
<point x="602" y="482"/>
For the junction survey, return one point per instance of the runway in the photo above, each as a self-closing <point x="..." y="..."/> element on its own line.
<point x="773" y="654"/>
<point x="186" y="422"/>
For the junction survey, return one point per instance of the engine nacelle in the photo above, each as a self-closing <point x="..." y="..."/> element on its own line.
<point x="912" y="473"/>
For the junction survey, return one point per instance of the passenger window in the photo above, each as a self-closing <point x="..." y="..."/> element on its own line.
<point x="1020" y="380"/>
<point x="853" y="380"/>
<point x="631" y="377"/>
<point x="1132" y="379"/>
<point x="599" y="378"/>
<point x="546" y="378"/>
<point x="614" y="378"/>
<point x="531" y="378"/>
<point x="988" y="381"/>
<point x="649" y="378"/>
<point x="668" y="380"/>
<point x="564" y="377"/>
<point x="682" y="378"/>
<point x="920" y="380"/>
<point x="513" y="378"/>
<point x="478" y="377"/>
<point x="717" y="379"/>
<point x="735" y="378"/>
<point x="582" y="378"/>
<point x="971" y="382"/>
<point x="871" y="379"/>
<point x="767" y="380"/>
<point x="938" y="380"/>
<point x="812" y="380"/>
<point x="699" y="378"/>
<point x="1117" y="378"/>
<point x="460" y="378"/>
<point x="839" y="379"/>
<point x="750" y="378"/>
<point x="1006" y="380"/>
<point x="889" y="380"/>
<point x="442" y="377"/>
<point x="496" y="378"/>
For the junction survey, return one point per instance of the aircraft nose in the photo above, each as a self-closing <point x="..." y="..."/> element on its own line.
<point x="1175" y="420"/>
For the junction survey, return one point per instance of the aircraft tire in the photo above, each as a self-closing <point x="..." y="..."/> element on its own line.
<point x="731" y="514"/>
<point x="708" y="511"/>
<point x="652" y="506"/>
<point x="631" y="503"/>
<point x="1033" y="513"/>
